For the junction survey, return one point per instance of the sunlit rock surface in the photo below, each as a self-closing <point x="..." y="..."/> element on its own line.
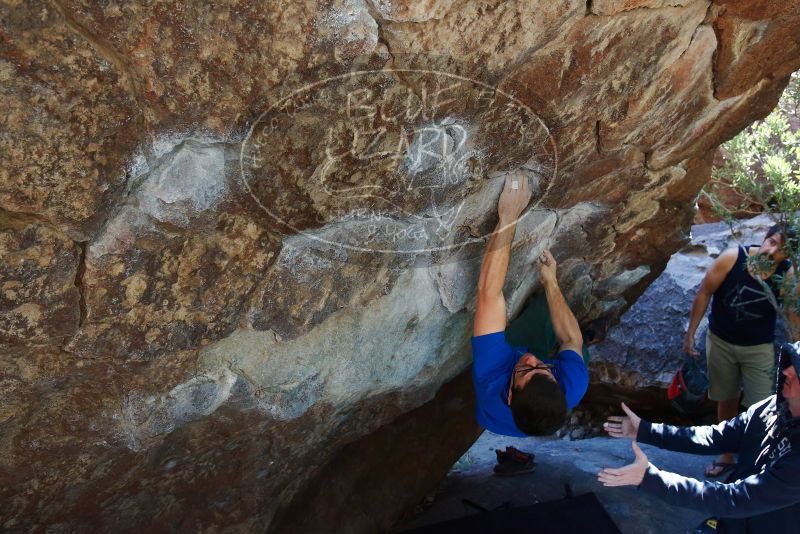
<point x="202" y="322"/>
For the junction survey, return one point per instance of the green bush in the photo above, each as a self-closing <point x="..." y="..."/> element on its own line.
<point x="762" y="164"/>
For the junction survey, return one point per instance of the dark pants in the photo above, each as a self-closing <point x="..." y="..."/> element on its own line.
<point x="534" y="329"/>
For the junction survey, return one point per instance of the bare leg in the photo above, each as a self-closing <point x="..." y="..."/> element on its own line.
<point x="726" y="409"/>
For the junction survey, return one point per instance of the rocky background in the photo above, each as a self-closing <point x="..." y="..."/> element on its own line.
<point x="174" y="357"/>
<point x="720" y="187"/>
<point x="639" y="356"/>
<point x="644" y="350"/>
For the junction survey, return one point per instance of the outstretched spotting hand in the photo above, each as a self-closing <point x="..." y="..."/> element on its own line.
<point x="688" y="345"/>
<point x="623" y="426"/>
<point x="547" y="267"/>
<point x="514" y="198"/>
<point x="630" y="475"/>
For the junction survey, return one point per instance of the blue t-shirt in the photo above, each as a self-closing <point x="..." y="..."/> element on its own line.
<point x="493" y="361"/>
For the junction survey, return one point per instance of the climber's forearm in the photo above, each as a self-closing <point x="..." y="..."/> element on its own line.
<point x="495" y="261"/>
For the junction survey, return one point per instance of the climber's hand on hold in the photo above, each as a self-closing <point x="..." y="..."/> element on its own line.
<point x="514" y="198"/>
<point x="547" y="267"/>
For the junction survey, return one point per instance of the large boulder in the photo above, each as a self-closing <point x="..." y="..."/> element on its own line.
<point x="240" y="240"/>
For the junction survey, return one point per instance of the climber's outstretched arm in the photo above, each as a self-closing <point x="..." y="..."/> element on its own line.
<point x="565" y="325"/>
<point x="490" y="311"/>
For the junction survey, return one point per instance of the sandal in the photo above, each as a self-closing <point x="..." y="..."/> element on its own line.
<point x="726" y="467"/>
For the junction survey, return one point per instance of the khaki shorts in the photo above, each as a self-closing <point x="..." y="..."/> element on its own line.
<point x="729" y="365"/>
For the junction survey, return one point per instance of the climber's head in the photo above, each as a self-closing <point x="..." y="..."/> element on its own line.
<point x="537" y="403"/>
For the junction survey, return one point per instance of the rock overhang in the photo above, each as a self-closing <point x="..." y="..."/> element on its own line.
<point x="197" y="326"/>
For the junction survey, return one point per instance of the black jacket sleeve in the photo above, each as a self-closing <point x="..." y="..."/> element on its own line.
<point x="775" y="487"/>
<point x="712" y="439"/>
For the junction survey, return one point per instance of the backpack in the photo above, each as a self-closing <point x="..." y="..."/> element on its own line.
<point x="689" y="386"/>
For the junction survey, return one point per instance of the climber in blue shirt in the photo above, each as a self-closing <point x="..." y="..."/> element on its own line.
<point x="518" y="392"/>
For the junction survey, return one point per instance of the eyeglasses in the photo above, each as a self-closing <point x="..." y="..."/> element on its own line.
<point x="526" y="368"/>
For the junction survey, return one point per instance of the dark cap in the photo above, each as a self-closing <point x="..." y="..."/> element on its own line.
<point x="789" y="354"/>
